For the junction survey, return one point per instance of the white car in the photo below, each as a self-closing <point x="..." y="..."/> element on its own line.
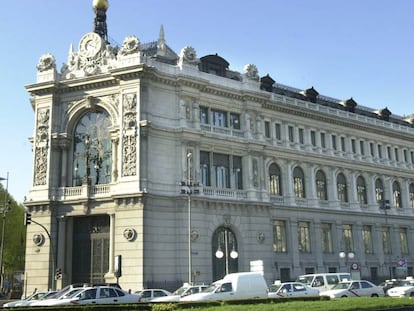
<point x="291" y="289"/>
<point x="359" y="288"/>
<point x="150" y="294"/>
<point x="24" y="302"/>
<point x="93" y="295"/>
<point x="406" y="290"/>
<point x="183" y="291"/>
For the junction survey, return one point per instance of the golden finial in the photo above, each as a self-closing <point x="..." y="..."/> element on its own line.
<point x="100" y="4"/>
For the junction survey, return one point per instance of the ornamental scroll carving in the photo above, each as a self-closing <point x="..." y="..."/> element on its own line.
<point x="41" y="149"/>
<point x="129" y="142"/>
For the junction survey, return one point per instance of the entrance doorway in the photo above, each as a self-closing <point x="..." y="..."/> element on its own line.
<point x="225" y="253"/>
<point x="90" y="260"/>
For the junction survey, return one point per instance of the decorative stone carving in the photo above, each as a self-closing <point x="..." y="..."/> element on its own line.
<point x="130" y="45"/>
<point x="46" y="62"/>
<point x="251" y="72"/>
<point x="129" y="142"/>
<point x="189" y="56"/>
<point x="40" y="170"/>
<point x="38" y="239"/>
<point x="260" y="237"/>
<point x="130" y="234"/>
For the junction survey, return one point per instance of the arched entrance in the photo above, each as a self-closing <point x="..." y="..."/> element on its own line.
<point x="225" y="253"/>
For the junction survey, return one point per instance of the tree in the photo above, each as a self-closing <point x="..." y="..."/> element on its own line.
<point x="14" y="235"/>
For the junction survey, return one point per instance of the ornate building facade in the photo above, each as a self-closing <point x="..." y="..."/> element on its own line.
<point x="177" y="169"/>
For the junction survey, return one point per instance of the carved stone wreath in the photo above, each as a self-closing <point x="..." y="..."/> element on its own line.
<point x="38" y="239"/>
<point x="130" y="234"/>
<point x="130" y="45"/>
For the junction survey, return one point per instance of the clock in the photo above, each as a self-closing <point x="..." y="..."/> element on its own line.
<point x="90" y="44"/>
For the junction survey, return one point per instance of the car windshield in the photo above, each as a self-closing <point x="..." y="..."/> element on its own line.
<point x="212" y="288"/>
<point x="305" y="280"/>
<point x="274" y="288"/>
<point x="342" y="285"/>
<point x="180" y="291"/>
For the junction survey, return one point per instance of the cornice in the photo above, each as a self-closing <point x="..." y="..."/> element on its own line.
<point x="309" y="114"/>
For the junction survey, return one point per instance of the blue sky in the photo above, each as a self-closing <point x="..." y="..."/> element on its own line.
<point x="352" y="48"/>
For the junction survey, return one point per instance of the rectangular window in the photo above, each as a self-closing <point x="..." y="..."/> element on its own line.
<point x="386" y="241"/>
<point x="301" y="136"/>
<point x="279" y="236"/>
<point x="343" y="148"/>
<point x="347" y="240"/>
<point x="361" y="147"/>
<point x="334" y="146"/>
<point x="313" y="138"/>
<point x="405" y="156"/>
<point x="371" y="149"/>
<point x="353" y="145"/>
<point x="205" y="168"/>
<point x="379" y="151"/>
<point x="278" y="131"/>
<point x="291" y="134"/>
<point x="221" y="170"/>
<point x="326" y="238"/>
<point x="219" y="118"/>
<point x="237" y="173"/>
<point x="397" y="155"/>
<point x="203" y="115"/>
<point x="403" y="241"/>
<point x="389" y="152"/>
<point x="323" y="142"/>
<point x="267" y="129"/>
<point x="412" y="157"/>
<point x="304" y="237"/>
<point x="235" y="121"/>
<point x="367" y="238"/>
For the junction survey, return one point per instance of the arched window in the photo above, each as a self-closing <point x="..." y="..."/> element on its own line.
<point x="379" y="191"/>
<point x="396" y="194"/>
<point x="320" y="180"/>
<point x="92" y="150"/>
<point x="275" y="180"/>
<point x="341" y="188"/>
<point x="411" y="190"/>
<point x="299" y="182"/>
<point x="361" y="190"/>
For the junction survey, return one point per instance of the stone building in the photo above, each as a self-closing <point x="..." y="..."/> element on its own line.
<point x="175" y="168"/>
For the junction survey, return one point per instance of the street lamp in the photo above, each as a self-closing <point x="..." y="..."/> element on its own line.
<point x="346" y="256"/>
<point x="4" y="211"/>
<point x="188" y="190"/>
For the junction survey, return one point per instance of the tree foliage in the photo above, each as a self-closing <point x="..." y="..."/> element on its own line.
<point x="12" y="215"/>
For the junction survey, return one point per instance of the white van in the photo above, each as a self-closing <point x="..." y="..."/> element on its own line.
<point x="323" y="281"/>
<point x="242" y="285"/>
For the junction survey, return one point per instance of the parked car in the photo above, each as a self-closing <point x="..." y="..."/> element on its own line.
<point x="149" y="294"/>
<point x="323" y="281"/>
<point x="406" y="289"/>
<point x="242" y="285"/>
<point x="183" y="291"/>
<point x="291" y="289"/>
<point x="94" y="295"/>
<point x="387" y="284"/>
<point x="33" y="297"/>
<point x="356" y="288"/>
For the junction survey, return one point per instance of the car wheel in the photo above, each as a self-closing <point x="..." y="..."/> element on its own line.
<point x="374" y="295"/>
<point x="412" y="294"/>
<point x="344" y="296"/>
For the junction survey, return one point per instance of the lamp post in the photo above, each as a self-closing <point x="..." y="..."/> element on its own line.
<point x="385" y="205"/>
<point x="233" y="253"/>
<point x="4" y="212"/>
<point x="346" y="256"/>
<point x="187" y="188"/>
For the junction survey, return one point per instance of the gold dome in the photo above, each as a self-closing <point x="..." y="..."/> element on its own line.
<point x="100" y="4"/>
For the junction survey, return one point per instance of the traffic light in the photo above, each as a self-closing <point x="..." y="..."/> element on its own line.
<point x="58" y="273"/>
<point x="27" y="218"/>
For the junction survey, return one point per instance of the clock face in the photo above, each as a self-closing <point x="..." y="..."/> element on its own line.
<point x="90" y="44"/>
